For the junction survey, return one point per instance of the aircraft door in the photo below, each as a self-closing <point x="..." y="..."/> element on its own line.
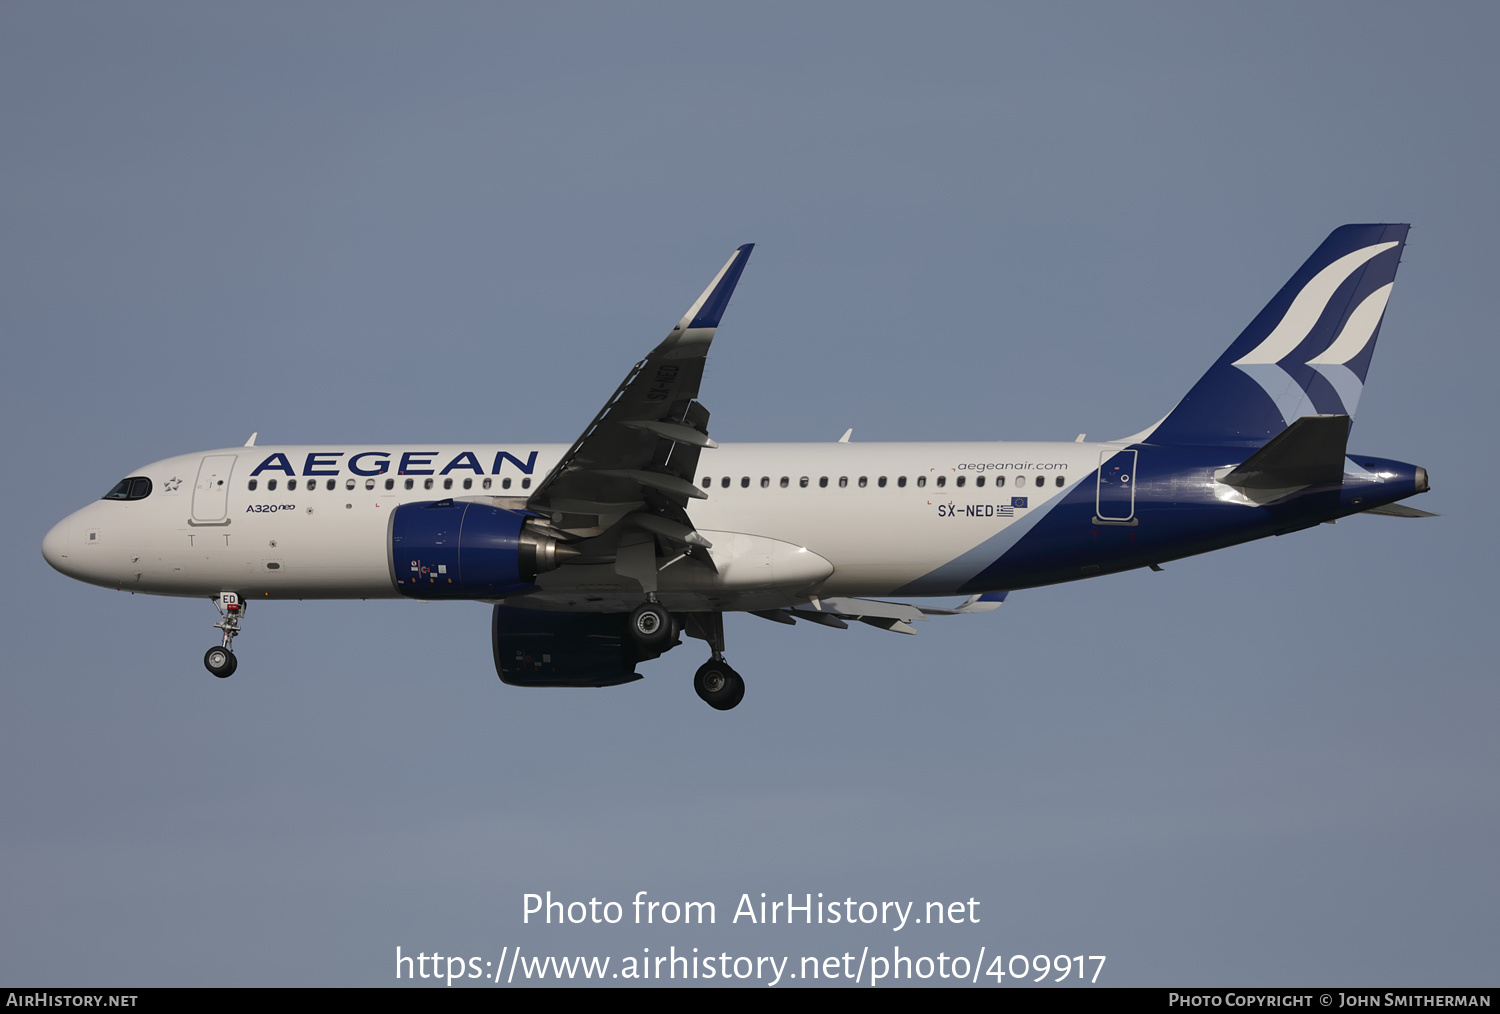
<point x="211" y="494"/>
<point x="1114" y="502"/>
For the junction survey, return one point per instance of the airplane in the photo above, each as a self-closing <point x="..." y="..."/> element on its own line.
<point x="600" y="555"/>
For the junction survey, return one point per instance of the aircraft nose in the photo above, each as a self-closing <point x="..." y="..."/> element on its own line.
<point x="55" y="546"/>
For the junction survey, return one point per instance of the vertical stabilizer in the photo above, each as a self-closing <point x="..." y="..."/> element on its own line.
<point x="1306" y="353"/>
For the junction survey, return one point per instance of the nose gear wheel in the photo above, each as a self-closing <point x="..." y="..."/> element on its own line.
<point x="220" y="660"/>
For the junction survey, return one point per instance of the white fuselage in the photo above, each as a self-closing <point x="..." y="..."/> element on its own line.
<point x="793" y="520"/>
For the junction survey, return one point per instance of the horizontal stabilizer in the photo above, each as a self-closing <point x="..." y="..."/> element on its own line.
<point x="1400" y="510"/>
<point x="1308" y="452"/>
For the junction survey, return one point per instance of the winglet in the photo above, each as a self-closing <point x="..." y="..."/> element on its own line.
<point x="709" y="307"/>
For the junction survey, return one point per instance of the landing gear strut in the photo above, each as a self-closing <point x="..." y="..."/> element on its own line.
<point x="220" y="660"/>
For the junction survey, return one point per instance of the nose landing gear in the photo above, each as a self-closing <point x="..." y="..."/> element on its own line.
<point x="220" y="660"/>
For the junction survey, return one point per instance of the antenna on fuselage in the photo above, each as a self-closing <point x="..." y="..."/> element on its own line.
<point x="251" y="441"/>
<point x="847" y="434"/>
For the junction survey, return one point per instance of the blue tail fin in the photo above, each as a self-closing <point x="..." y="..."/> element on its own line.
<point x="1306" y="353"/>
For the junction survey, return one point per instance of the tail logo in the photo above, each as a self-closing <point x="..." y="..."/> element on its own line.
<point x="1263" y="363"/>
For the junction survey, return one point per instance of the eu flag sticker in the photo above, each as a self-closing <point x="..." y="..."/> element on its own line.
<point x="1018" y="501"/>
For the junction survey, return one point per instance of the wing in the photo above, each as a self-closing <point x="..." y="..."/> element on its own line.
<point x="633" y="467"/>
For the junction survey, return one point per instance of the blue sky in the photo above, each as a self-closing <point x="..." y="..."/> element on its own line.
<point x="354" y="222"/>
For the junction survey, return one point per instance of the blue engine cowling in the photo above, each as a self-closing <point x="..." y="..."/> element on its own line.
<point x="459" y="550"/>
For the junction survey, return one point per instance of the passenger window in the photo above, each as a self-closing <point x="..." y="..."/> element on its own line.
<point x="843" y="481"/>
<point x="526" y="482"/>
<point x="270" y="484"/>
<point x="334" y="484"/>
<point x="880" y="482"/>
<point x="254" y="483"/>
<point x="505" y="483"/>
<point x="901" y="481"/>
<point x="921" y="480"/>
<point x="802" y="482"/>
<point x="707" y="482"/>
<point x="978" y="480"/>
<point x="999" y="481"/>
<point x="942" y="481"/>
<point x="863" y="481"/>
<point x="959" y="481"/>
<point x="724" y="482"/>
<point x="390" y="484"/>
<point x="823" y="482"/>
<point x="765" y="481"/>
<point x="409" y="483"/>
<point x="349" y="484"/>
<point x="486" y="483"/>
<point x="447" y="483"/>
<point x="426" y="483"/>
<point x="468" y="484"/>
<point x="1059" y="482"/>
<point x="291" y="484"/>
<point x="744" y="482"/>
<point x="369" y="483"/>
<point x="785" y="482"/>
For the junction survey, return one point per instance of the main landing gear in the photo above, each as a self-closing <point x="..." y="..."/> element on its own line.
<point x="653" y="631"/>
<point x="651" y="626"/>
<point x="720" y="686"/>
<point x="220" y="660"/>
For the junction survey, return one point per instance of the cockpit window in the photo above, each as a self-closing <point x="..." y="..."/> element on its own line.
<point x="137" y="487"/>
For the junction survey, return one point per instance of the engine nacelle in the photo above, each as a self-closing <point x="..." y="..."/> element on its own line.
<point x="535" y="648"/>
<point x="454" y="549"/>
